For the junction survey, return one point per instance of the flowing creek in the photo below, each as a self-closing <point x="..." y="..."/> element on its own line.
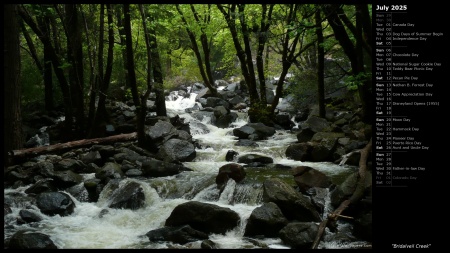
<point x="123" y="228"/>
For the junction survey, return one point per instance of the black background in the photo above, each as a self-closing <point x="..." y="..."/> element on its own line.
<point x="412" y="215"/>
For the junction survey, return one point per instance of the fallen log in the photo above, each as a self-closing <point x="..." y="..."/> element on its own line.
<point x="357" y="195"/>
<point x="30" y="152"/>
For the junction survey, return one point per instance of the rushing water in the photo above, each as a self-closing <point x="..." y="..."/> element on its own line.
<point x="89" y="227"/>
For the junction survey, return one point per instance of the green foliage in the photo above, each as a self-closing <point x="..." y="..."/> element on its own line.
<point x="352" y="82"/>
<point x="303" y="87"/>
<point x="128" y="94"/>
<point x="260" y="113"/>
<point x="32" y="82"/>
<point x="179" y="64"/>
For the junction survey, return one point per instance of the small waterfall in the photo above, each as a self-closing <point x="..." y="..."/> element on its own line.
<point x="228" y="193"/>
<point x="40" y="139"/>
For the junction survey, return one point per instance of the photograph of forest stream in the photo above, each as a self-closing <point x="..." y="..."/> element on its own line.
<point x="188" y="126"/>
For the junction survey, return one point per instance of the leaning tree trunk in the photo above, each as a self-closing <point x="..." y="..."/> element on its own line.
<point x="204" y="73"/>
<point x="357" y="195"/>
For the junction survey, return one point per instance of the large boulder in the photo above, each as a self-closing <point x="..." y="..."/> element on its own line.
<point x="326" y="145"/>
<point x="266" y="220"/>
<point x="126" y="154"/>
<point x="236" y="100"/>
<point x="284" y="120"/>
<point x="292" y="203"/>
<point x="317" y="124"/>
<point x="157" y="168"/>
<point x="109" y="171"/>
<point x="55" y="203"/>
<point x="204" y="217"/>
<point x="160" y="130"/>
<point x="25" y="239"/>
<point x="215" y="101"/>
<point x="175" y="150"/>
<point x="347" y="188"/>
<point x="180" y="235"/>
<point x="299" y="151"/>
<point x="70" y="164"/>
<point x="226" y="120"/>
<point x="299" y="235"/>
<point x="92" y="157"/>
<point x="130" y="196"/>
<point x="243" y="132"/>
<point x="65" y="179"/>
<point x="232" y="170"/>
<point x="306" y="177"/>
<point x="254" y="131"/>
<point x="305" y="135"/>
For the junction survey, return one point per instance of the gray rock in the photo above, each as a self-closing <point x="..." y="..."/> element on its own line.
<point x="180" y="235"/>
<point x="252" y="158"/>
<point x="299" y="235"/>
<point x="175" y="150"/>
<point x="306" y="177"/>
<point x="204" y="217"/>
<point x="130" y="196"/>
<point x="266" y="220"/>
<point x="157" y="168"/>
<point x="299" y="152"/>
<point x="291" y="202"/>
<point x="24" y="239"/>
<point x="53" y="203"/>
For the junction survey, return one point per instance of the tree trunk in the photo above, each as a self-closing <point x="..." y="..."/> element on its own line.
<point x="320" y="65"/>
<point x="12" y="118"/>
<point x="76" y="75"/>
<point x="259" y="111"/>
<point x="230" y="17"/>
<point x="62" y="147"/>
<point x="205" y="46"/>
<point x="103" y="78"/>
<point x="364" y="89"/>
<point x="48" y="80"/>
<point x="132" y="74"/>
<point x="160" y="100"/>
<point x="92" y="93"/>
<point x="122" y="43"/>
<point x="101" y="108"/>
